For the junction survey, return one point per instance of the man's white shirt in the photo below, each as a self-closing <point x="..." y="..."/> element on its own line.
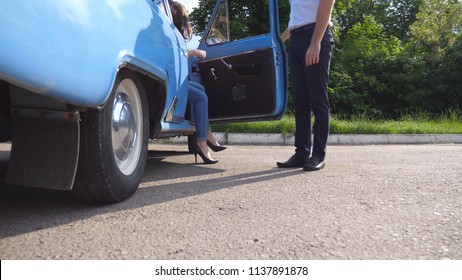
<point x="302" y="12"/>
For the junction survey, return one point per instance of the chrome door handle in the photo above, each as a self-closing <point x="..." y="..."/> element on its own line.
<point x="212" y="71"/>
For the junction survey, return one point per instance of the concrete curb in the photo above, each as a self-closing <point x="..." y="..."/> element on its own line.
<point x="334" y="139"/>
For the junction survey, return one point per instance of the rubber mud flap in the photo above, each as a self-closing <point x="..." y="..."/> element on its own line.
<point x="44" y="153"/>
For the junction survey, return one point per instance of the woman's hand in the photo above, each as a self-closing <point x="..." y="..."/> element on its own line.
<point x="199" y="53"/>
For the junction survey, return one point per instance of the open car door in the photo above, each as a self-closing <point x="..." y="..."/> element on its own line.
<point x="245" y="71"/>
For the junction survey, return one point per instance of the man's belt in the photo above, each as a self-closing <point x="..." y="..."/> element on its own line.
<point x="302" y="29"/>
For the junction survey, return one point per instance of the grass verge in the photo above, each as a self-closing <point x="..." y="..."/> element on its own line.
<point x="448" y="123"/>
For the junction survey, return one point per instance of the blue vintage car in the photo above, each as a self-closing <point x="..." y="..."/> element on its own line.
<point x="85" y="84"/>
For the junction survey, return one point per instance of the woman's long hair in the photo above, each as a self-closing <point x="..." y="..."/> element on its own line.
<point x="181" y="19"/>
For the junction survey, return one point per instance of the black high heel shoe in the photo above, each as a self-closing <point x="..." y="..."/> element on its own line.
<point x="214" y="148"/>
<point x="206" y="160"/>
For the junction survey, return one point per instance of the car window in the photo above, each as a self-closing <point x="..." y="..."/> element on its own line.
<point x="236" y="20"/>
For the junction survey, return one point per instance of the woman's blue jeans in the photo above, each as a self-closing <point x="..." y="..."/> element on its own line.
<point x="199" y="109"/>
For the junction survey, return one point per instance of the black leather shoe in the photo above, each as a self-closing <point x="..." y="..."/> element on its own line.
<point x="314" y="164"/>
<point x="292" y="162"/>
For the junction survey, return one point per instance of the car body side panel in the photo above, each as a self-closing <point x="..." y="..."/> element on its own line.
<point x="71" y="50"/>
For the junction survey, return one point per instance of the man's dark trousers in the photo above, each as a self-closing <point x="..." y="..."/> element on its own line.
<point x="309" y="90"/>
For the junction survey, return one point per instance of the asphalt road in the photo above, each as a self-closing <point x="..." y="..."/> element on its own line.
<point x="370" y="202"/>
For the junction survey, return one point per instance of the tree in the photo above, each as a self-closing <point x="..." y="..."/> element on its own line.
<point x="401" y="15"/>
<point x="201" y="14"/>
<point x="366" y="54"/>
<point x="438" y="25"/>
<point x="395" y="16"/>
<point x="435" y="52"/>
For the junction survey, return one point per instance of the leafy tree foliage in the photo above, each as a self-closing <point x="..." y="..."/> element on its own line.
<point x="395" y="16"/>
<point x="435" y="49"/>
<point x="366" y="52"/>
<point x="200" y="16"/>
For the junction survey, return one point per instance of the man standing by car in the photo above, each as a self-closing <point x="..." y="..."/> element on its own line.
<point x="311" y="45"/>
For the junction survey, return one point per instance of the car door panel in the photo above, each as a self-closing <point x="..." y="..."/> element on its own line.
<point x="245" y="75"/>
<point x="238" y="86"/>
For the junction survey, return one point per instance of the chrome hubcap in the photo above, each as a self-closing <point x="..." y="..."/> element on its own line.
<point x="126" y="128"/>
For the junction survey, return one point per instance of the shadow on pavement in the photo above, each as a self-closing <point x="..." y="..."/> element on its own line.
<point x="24" y="209"/>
